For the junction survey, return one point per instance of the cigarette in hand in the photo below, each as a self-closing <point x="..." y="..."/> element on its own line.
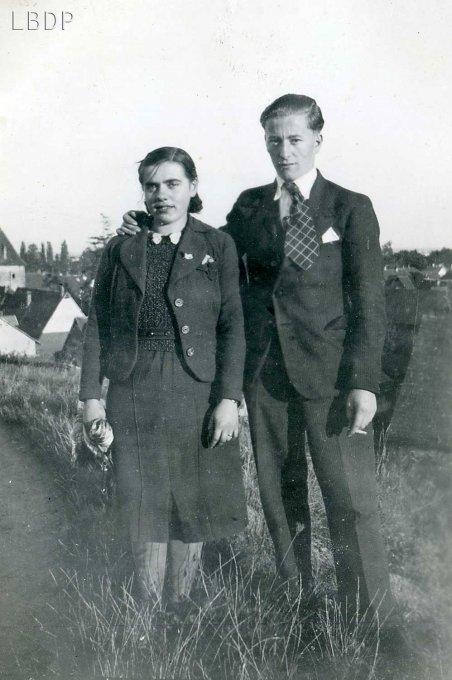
<point x="350" y="434"/>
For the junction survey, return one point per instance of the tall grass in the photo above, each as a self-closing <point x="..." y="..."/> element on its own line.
<point x="243" y="623"/>
<point x="241" y="631"/>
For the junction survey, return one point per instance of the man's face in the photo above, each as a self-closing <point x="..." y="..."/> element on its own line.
<point x="292" y="145"/>
<point x="167" y="191"/>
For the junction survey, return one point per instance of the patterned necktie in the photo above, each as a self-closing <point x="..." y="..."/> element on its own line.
<point x="301" y="243"/>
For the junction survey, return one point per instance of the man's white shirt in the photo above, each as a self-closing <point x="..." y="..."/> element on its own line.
<point x="304" y="183"/>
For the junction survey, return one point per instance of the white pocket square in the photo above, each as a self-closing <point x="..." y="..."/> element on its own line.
<point x="329" y="236"/>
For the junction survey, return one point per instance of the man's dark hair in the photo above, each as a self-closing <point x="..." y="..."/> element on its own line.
<point x="290" y="104"/>
<point x="173" y="154"/>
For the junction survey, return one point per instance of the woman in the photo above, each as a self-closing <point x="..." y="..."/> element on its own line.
<point x="166" y="327"/>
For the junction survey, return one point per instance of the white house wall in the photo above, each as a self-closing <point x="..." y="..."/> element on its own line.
<point x="12" y="276"/>
<point x="13" y="341"/>
<point x="63" y="317"/>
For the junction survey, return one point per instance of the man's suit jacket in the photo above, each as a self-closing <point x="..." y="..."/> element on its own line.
<point x="204" y="298"/>
<point x="330" y="319"/>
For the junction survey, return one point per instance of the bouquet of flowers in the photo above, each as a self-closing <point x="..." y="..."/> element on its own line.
<point x="95" y="438"/>
<point x="98" y="437"/>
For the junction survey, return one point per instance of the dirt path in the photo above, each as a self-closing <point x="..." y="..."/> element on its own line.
<point x="32" y="521"/>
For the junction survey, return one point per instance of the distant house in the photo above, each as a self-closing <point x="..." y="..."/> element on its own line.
<point x="13" y="341"/>
<point x="407" y="278"/>
<point x="12" y="267"/>
<point x="438" y="276"/>
<point x="73" y="346"/>
<point x="45" y="315"/>
<point x="72" y="283"/>
<point x="396" y="279"/>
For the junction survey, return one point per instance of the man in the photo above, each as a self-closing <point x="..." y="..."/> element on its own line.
<point x="313" y="300"/>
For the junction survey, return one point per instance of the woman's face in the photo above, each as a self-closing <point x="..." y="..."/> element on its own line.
<point x="167" y="191"/>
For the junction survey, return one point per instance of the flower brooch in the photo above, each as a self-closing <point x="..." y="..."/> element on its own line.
<point x="207" y="259"/>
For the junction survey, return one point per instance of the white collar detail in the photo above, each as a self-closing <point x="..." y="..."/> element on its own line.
<point x="157" y="238"/>
<point x="304" y="183"/>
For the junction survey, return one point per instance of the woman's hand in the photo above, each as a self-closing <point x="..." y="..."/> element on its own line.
<point x="92" y="409"/>
<point x="129" y="226"/>
<point x="224" y="423"/>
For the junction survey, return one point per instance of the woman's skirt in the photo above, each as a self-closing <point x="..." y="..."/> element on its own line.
<point x="170" y="485"/>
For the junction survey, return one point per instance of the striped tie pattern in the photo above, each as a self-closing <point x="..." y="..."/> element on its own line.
<point x="302" y="243"/>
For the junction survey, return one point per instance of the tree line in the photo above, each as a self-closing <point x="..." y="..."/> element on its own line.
<point x="413" y="258"/>
<point x="61" y="268"/>
<point x="41" y="258"/>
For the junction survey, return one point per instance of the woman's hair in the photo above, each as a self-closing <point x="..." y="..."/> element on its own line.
<point x="290" y="104"/>
<point x="174" y="155"/>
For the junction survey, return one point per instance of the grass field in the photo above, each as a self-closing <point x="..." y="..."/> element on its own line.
<point x="245" y="627"/>
<point x="423" y="416"/>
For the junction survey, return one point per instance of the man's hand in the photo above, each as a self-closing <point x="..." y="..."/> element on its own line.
<point x="92" y="409"/>
<point x="224" y="423"/>
<point x="361" y="408"/>
<point x="129" y="226"/>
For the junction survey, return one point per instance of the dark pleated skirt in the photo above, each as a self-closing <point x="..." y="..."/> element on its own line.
<point x="170" y="485"/>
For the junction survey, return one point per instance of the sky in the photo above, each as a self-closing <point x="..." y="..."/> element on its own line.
<point x="80" y="106"/>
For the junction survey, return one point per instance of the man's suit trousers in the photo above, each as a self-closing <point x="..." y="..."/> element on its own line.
<point x="281" y="421"/>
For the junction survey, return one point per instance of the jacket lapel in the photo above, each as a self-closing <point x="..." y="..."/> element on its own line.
<point x="322" y="202"/>
<point x="192" y="249"/>
<point x="132" y="254"/>
<point x="269" y="212"/>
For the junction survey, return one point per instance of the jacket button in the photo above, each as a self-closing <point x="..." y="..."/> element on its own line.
<point x="190" y="351"/>
<point x="185" y="329"/>
<point x="178" y="302"/>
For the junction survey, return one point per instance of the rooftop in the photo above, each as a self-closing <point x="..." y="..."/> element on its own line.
<point x="8" y="254"/>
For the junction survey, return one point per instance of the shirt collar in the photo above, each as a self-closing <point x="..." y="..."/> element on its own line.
<point x="304" y="183"/>
<point x="157" y="238"/>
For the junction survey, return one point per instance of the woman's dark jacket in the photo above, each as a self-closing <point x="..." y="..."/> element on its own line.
<point x="204" y="299"/>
